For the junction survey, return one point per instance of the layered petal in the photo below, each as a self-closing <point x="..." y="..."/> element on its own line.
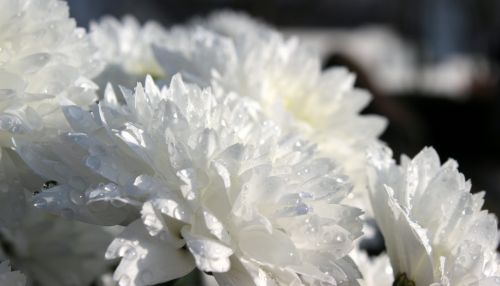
<point x="209" y="176"/>
<point x="433" y="226"/>
<point x="235" y="53"/>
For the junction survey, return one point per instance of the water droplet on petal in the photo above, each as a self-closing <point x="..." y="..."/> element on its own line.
<point x="39" y="202"/>
<point x="340" y="238"/>
<point x="76" y="197"/>
<point x="129" y="253"/>
<point x="301" y="209"/>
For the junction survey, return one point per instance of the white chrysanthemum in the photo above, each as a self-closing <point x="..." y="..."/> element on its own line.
<point x="126" y="48"/>
<point x="285" y="78"/>
<point x="52" y="251"/>
<point x="9" y="277"/>
<point x="44" y="59"/>
<point x="215" y="184"/>
<point x="376" y="271"/>
<point x="434" y="229"/>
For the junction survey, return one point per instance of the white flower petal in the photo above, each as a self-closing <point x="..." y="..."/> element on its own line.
<point x="146" y="260"/>
<point x="210" y="255"/>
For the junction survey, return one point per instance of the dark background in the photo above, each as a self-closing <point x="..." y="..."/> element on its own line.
<point x="467" y="129"/>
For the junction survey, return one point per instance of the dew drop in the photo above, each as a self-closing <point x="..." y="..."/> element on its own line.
<point x="76" y="197"/>
<point x="129" y="253"/>
<point x="43" y="58"/>
<point x="340" y="238"/>
<point x="80" y="34"/>
<point x="39" y="202"/>
<point x="111" y="188"/>
<point x="301" y="209"/>
<point x="340" y="180"/>
<point x="467" y="211"/>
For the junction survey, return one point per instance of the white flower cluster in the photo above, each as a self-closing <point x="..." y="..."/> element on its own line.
<point x="220" y="145"/>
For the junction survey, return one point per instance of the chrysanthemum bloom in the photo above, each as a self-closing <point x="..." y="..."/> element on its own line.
<point x="44" y="59"/>
<point x="8" y="277"/>
<point x="126" y="48"/>
<point x="434" y="229"/>
<point x="285" y="78"/>
<point x="204" y="181"/>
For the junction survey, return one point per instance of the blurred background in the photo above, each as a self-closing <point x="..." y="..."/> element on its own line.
<point x="432" y="65"/>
